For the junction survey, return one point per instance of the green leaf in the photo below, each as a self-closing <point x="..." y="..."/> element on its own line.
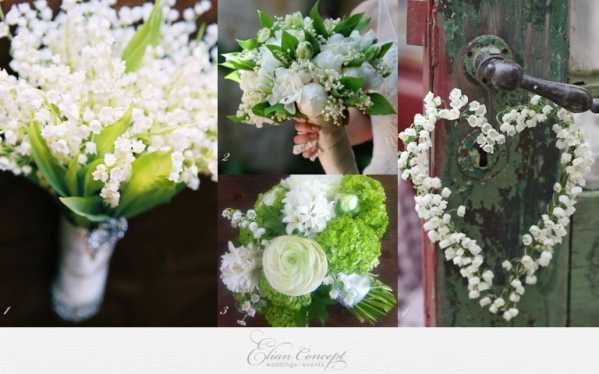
<point x="276" y="112"/>
<point x="248" y="44"/>
<point x="234" y="76"/>
<point x="147" y="34"/>
<point x="352" y="83"/>
<point x="380" y="106"/>
<point x="280" y="54"/>
<point x="318" y="21"/>
<point x="289" y="44"/>
<point x="348" y="24"/>
<point x="92" y="207"/>
<point x="265" y="19"/>
<point x="237" y="119"/>
<point x="71" y="177"/>
<point x="91" y="186"/>
<point x="313" y="42"/>
<point x="260" y="109"/>
<point x="236" y="61"/>
<point x="371" y="52"/>
<point x="106" y="138"/>
<point x="382" y="51"/>
<point x="149" y="185"/>
<point x="45" y="161"/>
<point x="363" y="25"/>
<point x="318" y="308"/>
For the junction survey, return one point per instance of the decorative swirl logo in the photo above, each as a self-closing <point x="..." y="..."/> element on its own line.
<point x="269" y="352"/>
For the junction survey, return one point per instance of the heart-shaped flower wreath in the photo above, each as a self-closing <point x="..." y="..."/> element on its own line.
<point x="432" y="204"/>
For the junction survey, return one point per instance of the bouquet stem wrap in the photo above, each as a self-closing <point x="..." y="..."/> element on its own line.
<point x="78" y="289"/>
<point x="335" y="153"/>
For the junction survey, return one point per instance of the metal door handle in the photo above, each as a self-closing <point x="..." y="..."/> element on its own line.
<point x="488" y="62"/>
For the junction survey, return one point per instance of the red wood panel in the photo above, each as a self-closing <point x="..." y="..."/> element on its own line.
<point x="437" y="79"/>
<point x="417" y="21"/>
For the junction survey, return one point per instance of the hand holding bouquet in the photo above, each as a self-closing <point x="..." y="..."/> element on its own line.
<point x="315" y="69"/>
<point x="113" y="121"/>
<point x="310" y="242"/>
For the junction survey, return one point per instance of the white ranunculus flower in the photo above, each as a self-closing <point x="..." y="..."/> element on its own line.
<point x="239" y="268"/>
<point x="312" y="100"/>
<point x="294" y="266"/>
<point x="328" y="59"/>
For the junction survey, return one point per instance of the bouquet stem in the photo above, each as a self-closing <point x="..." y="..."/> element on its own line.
<point x="335" y="153"/>
<point x="84" y="258"/>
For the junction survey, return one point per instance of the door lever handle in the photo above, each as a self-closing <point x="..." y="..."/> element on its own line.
<point x="488" y="61"/>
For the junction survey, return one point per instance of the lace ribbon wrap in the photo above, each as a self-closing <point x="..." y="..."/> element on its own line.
<point x="78" y="289"/>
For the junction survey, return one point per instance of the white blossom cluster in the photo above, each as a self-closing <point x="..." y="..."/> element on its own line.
<point x="310" y="85"/>
<point x="348" y="289"/>
<point x="309" y="204"/>
<point x="74" y="83"/>
<point x="245" y="221"/>
<point x="432" y="205"/>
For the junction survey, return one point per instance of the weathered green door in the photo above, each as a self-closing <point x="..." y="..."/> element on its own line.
<point x="505" y="192"/>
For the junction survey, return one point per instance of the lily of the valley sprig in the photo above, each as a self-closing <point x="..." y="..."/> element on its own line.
<point x="113" y="111"/>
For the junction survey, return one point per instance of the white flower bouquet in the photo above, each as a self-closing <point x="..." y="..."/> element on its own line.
<point x="315" y="69"/>
<point x="309" y="242"/>
<point x="113" y="112"/>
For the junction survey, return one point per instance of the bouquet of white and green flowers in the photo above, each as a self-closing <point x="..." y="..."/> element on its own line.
<point x="310" y="242"/>
<point x="315" y="69"/>
<point x="113" y="112"/>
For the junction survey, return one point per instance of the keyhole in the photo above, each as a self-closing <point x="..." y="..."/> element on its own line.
<point x="483" y="160"/>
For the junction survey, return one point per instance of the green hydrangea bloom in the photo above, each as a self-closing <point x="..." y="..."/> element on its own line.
<point x="278" y="298"/>
<point x="351" y="246"/>
<point x="372" y="209"/>
<point x="282" y="316"/>
<point x="269" y="211"/>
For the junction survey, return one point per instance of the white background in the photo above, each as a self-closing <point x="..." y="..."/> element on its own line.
<point x="369" y="351"/>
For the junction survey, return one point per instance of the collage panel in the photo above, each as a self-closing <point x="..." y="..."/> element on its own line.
<point x="108" y="112"/>
<point x="307" y="250"/>
<point x="311" y="84"/>
<point x="499" y="163"/>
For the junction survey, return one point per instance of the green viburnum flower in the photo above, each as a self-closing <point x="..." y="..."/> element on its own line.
<point x="282" y="316"/>
<point x="294" y="266"/>
<point x="275" y="297"/>
<point x="371" y="196"/>
<point x="351" y="246"/>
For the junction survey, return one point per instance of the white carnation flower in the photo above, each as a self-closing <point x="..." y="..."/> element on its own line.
<point x="239" y="268"/>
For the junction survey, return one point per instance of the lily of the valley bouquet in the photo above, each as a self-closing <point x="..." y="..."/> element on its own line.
<point x="315" y="69"/>
<point x="309" y="242"/>
<point x="113" y="112"/>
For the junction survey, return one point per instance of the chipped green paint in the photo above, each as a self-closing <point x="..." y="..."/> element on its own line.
<point x="513" y="190"/>
<point x="584" y="273"/>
